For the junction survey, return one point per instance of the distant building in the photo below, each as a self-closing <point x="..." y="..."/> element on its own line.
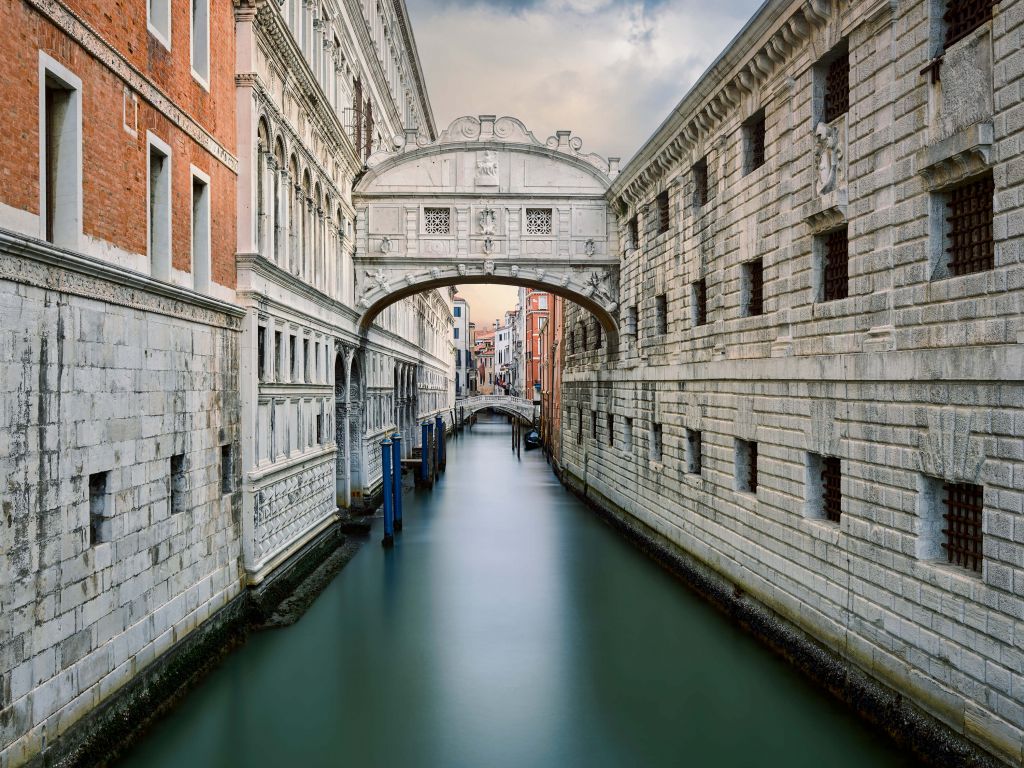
<point x="483" y="354"/>
<point x="534" y="309"/>
<point x="462" y="337"/>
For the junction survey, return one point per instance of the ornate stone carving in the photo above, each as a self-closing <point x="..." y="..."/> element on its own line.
<point x="829" y="156"/>
<point x="488" y="267"/>
<point x="385" y="245"/>
<point x="488" y="221"/>
<point x="380" y="280"/>
<point x="435" y="273"/>
<point x="947" y="449"/>
<point x="487" y="168"/>
<point x="462" y="270"/>
<point x="590" y="248"/>
<point x="514" y="270"/>
<point x="488" y="246"/>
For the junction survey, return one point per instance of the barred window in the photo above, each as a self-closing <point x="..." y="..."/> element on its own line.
<point x="969" y="212"/>
<point x="753" y="288"/>
<point x="655" y="442"/>
<point x="663" y="212"/>
<point x="538" y="221"/>
<point x="835" y="259"/>
<point x="700" y="182"/>
<point x="837" y="87"/>
<point x="634" y="233"/>
<point x="661" y="314"/>
<point x="754" y="141"/>
<point x="437" y="221"/>
<point x="699" y="301"/>
<point x="693" y="451"/>
<point x="964" y="16"/>
<point x="831" y="488"/>
<point x="964" y="504"/>
<point x="746" y="466"/>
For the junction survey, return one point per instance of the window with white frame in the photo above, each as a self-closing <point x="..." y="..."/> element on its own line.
<point x="201" y="41"/>
<point x="159" y="209"/>
<point x="60" y="153"/>
<point x="158" y="20"/>
<point x="200" y="231"/>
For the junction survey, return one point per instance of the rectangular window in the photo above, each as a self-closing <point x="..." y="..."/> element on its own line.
<point x="200" y="231"/>
<point x="699" y="302"/>
<point x="663" y="212"/>
<point x="753" y="142"/>
<point x="60" y="148"/>
<point x="319" y="429"/>
<point x="278" y="351"/>
<point x="745" y="467"/>
<point x="261" y="352"/>
<point x="964" y="16"/>
<point x="837" y="87"/>
<point x="227" y="468"/>
<point x="292" y="348"/>
<point x="824" y="487"/>
<point x="832" y="268"/>
<point x="632" y="321"/>
<point x="158" y="20"/>
<point x="752" y="288"/>
<point x="969" y="212"/>
<point x="542" y="301"/>
<point x="700" y="182"/>
<point x="633" y="233"/>
<point x="694" y="447"/>
<point x="627" y="435"/>
<point x="655" y="442"/>
<point x="437" y="221"/>
<point x="159" y="214"/>
<point x="458" y="311"/>
<point x="201" y="41"/>
<point x="538" y="221"/>
<point x="951" y="522"/>
<point x="99" y="514"/>
<point x="579" y="425"/>
<point x="593" y="425"/>
<point x="661" y="314"/>
<point x="610" y="424"/>
<point x="316" y="361"/>
<point x="456" y="329"/>
<point x="178" y="484"/>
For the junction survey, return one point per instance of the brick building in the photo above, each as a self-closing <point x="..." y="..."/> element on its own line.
<point x="819" y="395"/>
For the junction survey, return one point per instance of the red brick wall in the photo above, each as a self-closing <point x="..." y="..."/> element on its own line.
<point x="114" y="163"/>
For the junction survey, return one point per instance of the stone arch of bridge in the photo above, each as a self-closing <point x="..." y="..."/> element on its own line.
<point x="487" y="202"/>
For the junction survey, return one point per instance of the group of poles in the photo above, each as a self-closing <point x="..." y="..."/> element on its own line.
<point x="434" y="439"/>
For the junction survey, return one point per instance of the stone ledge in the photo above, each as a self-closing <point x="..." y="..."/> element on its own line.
<point x="950" y="161"/>
<point x="883" y="708"/>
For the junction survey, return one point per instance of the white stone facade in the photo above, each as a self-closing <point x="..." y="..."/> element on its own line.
<point x="911" y="381"/>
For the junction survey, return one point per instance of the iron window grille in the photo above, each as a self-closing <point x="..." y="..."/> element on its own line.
<point x="964" y="16"/>
<point x="755" y="287"/>
<point x="437" y="221"/>
<point x="963" y="532"/>
<point x="611" y="429"/>
<point x="663" y="212"/>
<point x="700" y="182"/>
<point x="969" y="211"/>
<point x="693" y="444"/>
<point x="831" y="488"/>
<point x="835" y="269"/>
<point x="755" y="131"/>
<point x="538" y="221"/>
<point x="700" y="302"/>
<point x="837" y="87"/>
<point x="746" y="466"/>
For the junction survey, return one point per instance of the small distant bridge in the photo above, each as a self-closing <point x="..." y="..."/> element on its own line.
<point x="514" y="406"/>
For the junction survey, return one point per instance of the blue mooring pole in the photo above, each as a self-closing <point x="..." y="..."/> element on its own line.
<point x="424" y="450"/>
<point x="396" y="451"/>
<point x="439" y="424"/>
<point x="388" y="485"/>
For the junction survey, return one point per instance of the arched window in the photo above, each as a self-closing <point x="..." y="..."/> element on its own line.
<point x="262" y="150"/>
<point x="277" y="202"/>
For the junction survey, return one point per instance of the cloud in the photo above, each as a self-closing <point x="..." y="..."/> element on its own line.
<point x="610" y="70"/>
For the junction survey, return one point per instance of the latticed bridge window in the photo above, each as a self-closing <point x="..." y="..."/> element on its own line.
<point x="538" y="221"/>
<point x="437" y="221"/>
<point x="969" y="216"/>
<point x="964" y="16"/>
<point x="837" y="87"/>
<point x="964" y="505"/>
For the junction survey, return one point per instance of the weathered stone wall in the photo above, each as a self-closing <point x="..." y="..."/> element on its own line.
<point x="104" y="376"/>
<point x="912" y="381"/>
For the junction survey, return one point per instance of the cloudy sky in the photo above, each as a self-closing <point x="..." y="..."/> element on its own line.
<point x="609" y="70"/>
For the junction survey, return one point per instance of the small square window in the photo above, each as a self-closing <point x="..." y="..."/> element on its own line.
<point x="437" y="221"/>
<point x="754" y="142"/>
<point x="656" y="442"/>
<point x="663" y="212"/>
<point x="699" y="302"/>
<point x="538" y="221"/>
<point x="745" y="467"/>
<point x="701" y="187"/>
<point x="752" y="288"/>
<point x="694" y="448"/>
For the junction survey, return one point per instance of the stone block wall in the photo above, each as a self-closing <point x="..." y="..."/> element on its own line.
<point x="912" y="381"/>
<point x="119" y="519"/>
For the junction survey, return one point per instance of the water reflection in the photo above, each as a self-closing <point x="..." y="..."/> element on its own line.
<point x="508" y="627"/>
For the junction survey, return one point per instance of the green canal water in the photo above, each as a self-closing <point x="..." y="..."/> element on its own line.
<point x="509" y="627"/>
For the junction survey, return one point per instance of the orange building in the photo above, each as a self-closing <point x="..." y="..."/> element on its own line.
<point x="550" y="362"/>
<point x="535" y="309"/>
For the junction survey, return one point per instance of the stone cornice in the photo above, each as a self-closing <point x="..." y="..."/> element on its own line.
<point x="949" y="162"/>
<point x="776" y="33"/>
<point x="417" y="70"/>
<point x="37" y="263"/>
<point x="90" y="40"/>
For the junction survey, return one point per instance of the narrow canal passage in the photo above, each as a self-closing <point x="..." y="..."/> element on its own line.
<point x="509" y="627"/>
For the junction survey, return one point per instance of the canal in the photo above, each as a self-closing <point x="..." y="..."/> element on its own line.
<point x="509" y="627"/>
